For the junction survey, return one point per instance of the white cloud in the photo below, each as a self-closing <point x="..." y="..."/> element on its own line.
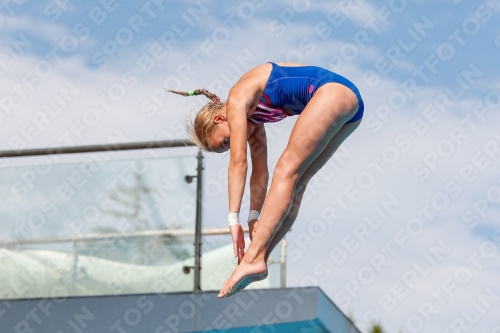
<point x="39" y="27"/>
<point x="365" y="12"/>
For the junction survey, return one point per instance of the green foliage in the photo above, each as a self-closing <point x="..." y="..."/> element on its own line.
<point x="377" y="328"/>
<point x="350" y="317"/>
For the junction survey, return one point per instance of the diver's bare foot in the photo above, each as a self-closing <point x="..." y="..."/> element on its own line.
<point x="244" y="274"/>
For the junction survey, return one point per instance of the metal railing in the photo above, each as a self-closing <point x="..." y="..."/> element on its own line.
<point x="96" y="148"/>
<point x="130" y="146"/>
<point x="111" y="236"/>
<point x="198" y="232"/>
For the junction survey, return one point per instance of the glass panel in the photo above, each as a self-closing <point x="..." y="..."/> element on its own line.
<point x="48" y="200"/>
<point x="93" y="226"/>
<point x="48" y="207"/>
<point x="120" y="266"/>
<point x="106" y="267"/>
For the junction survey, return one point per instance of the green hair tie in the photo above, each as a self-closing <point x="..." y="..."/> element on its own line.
<point x="191" y="93"/>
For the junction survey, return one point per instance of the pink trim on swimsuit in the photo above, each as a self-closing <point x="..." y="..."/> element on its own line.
<point x="267" y="113"/>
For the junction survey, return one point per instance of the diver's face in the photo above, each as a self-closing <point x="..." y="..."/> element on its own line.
<point x="219" y="140"/>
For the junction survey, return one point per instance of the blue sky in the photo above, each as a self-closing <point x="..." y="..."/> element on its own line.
<point x="378" y="46"/>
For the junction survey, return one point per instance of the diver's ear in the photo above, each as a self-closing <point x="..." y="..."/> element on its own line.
<point x="219" y="118"/>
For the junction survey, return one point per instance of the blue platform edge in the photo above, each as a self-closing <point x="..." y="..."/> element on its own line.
<point x="305" y="309"/>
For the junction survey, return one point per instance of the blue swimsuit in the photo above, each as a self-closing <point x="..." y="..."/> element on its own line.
<point x="289" y="89"/>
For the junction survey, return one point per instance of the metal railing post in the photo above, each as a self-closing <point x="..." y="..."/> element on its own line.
<point x="197" y="236"/>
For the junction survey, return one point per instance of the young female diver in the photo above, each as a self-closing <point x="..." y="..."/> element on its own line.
<point x="330" y="108"/>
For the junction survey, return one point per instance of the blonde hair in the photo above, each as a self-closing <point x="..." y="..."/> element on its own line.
<point x="202" y="127"/>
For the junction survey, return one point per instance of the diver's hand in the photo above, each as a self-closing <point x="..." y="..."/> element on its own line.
<point x="238" y="241"/>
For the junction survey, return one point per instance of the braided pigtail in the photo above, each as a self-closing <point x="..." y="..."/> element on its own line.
<point x="197" y="92"/>
<point x="201" y="128"/>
